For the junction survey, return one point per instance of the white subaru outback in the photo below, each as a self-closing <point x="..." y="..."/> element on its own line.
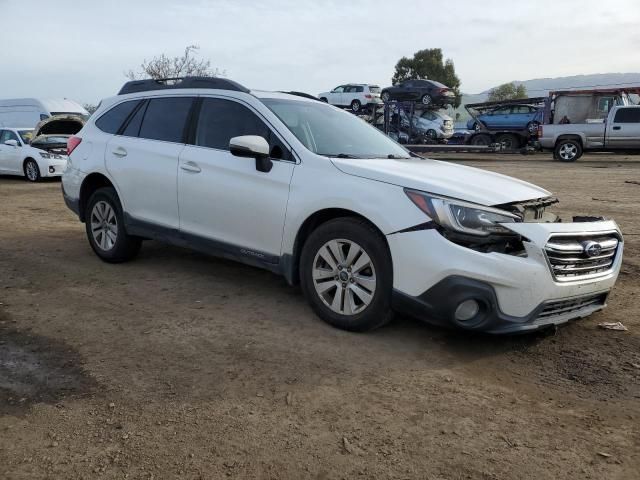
<point x="311" y="192"/>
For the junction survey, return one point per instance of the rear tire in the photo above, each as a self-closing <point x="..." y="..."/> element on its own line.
<point x="355" y="106"/>
<point x="510" y="141"/>
<point x="324" y="99"/>
<point x="104" y="224"/>
<point x="347" y="276"/>
<point x="426" y="100"/>
<point x="31" y="170"/>
<point x="568" y="150"/>
<point x="481" y="140"/>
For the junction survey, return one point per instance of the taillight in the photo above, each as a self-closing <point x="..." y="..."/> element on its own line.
<point x="368" y="96"/>
<point x="539" y="131"/>
<point x="72" y="143"/>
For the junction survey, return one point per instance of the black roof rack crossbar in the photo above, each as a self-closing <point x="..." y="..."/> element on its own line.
<point x="136" y="86"/>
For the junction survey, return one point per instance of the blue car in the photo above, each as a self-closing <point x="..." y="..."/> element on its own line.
<point x="509" y="117"/>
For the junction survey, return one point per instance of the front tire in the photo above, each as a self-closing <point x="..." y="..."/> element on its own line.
<point x="31" y="170"/>
<point x="346" y="275"/>
<point x="568" y="150"/>
<point x="104" y="224"/>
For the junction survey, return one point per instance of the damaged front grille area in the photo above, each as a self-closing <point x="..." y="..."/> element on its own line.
<point x="577" y="257"/>
<point x="532" y="210"/>
<point x="569" y="307"/>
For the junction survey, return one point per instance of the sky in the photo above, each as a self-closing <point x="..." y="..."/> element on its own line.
<point x="80" y="50"/>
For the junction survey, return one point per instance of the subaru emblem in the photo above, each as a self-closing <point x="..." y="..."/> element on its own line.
<point x="592" y="249"/>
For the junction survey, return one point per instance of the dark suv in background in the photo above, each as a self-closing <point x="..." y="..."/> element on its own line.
<point x="427" y="92"/>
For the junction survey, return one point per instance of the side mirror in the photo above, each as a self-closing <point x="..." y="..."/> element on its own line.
<point x="11" y="143"/>
<point x="252" y="146"/>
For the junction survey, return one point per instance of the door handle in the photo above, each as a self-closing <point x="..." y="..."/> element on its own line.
<point x="119" y="152"/>
<point x="190" y="167"/>
<point x="617" y="128"/>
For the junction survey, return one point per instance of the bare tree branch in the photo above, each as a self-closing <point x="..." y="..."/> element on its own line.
<point x="185" y="65"/>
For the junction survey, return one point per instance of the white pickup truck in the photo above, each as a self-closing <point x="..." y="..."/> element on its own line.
<point x="620" y="130"/>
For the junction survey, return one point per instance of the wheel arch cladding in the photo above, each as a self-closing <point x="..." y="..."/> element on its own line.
<point x="90" y="185"/>
<point x="573" y="137"/>
<point x="291" y="262"/>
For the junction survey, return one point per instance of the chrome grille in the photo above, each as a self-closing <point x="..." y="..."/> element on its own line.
<point x="576" y="257"/>
<point x="572" y="305"/>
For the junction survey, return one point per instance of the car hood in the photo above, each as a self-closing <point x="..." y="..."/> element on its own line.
<point x="57" y="126"/>
<point x="443" y="178"/>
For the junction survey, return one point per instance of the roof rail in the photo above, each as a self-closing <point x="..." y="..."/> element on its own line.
<point x="136" y="86"/>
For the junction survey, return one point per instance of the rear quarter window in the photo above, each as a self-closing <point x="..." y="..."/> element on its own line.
<point x="111" y="121"/>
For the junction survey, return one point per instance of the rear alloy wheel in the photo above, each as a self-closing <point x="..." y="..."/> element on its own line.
<point x="104" y="223"/>
<point x="532" y="128"/>
<point x="31" y="171"/>
<point x="346" y="275"/>
<point x="355" y="106"/>
<point x="426" y="99"/>
<point x="568" y="150"/>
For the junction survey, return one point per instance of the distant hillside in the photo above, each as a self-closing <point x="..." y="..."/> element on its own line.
<point x="540" y="87"/>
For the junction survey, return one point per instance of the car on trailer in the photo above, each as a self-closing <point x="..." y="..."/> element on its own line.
<point x="512" y="123"/>
<point x="426" y="92"/>
<point x="355" y="96"/>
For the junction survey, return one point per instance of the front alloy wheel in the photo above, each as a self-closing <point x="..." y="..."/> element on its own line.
<point x="344" y="276"/>
<point x="31" y="171"/>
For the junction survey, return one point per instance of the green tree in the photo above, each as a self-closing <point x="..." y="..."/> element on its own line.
<point x="507" y="91"/>
<point x="429" y="64"/>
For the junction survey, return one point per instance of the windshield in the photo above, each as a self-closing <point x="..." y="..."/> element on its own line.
<point x="329" y="131"/>
<point x="26" y="136"/>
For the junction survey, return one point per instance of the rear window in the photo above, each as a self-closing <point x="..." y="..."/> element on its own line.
<point x="437" y="84"/>
<point x="111" y="121"/>
<point x="374" y="89"/>
<point x="166" y="119"/>
<point x="628" y="115"/>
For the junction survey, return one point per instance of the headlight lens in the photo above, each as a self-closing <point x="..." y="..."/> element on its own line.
<point x="462" y="216"/>
<point x="45" y="154"/>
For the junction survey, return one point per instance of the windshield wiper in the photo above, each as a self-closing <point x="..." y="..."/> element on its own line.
<point x="338" y="155"/>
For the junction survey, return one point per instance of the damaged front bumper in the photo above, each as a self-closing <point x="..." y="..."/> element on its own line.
<point x="514" y="293"/>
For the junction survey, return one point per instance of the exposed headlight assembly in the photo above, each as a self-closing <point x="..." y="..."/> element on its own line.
<point x="45" y="154"/>
<point x="463" y="217"/>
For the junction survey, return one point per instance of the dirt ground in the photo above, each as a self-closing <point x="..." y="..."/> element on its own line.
<point x="178" y="365"/>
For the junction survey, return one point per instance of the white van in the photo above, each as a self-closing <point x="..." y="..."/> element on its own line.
<point x="27" y="112"/>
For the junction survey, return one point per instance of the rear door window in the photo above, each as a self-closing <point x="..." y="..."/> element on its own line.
<point x="628" y="115"/>
<point x="111" y="121"/>
<point x="221" y="120"/>
<point x="166" y="118"/>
